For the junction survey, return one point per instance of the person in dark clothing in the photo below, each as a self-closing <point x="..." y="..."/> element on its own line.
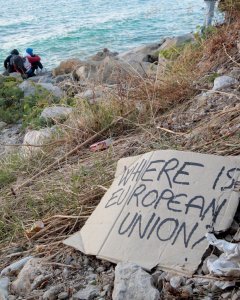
<point x="8" y="62"/>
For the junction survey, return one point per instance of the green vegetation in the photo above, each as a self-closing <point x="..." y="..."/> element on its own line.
<point x="14" y="106"/>
<point x="10" y="100"/>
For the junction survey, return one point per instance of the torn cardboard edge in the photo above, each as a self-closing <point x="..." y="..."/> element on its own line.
<point x="159" y="204"/>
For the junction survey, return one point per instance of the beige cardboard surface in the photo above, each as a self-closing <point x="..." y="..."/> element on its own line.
<point x="159" y="208"/>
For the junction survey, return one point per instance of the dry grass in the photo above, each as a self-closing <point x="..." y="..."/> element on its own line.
<point x="65" y="196"/>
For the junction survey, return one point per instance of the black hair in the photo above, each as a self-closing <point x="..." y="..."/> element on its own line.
<point x="15" y="51"/>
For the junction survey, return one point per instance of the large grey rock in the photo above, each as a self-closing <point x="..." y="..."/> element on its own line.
<point x="89" y="293"/>
<point x="23" y="284"/>
<point x="102" y="54"/>
<point x="4" y="282"/>
<point x="132" y="282"/>
<point x="55" y="90"/>
<point x="145" y="52"/>
<point x="28" y="88"/>
<point x="44" y="78"/>
<point x="173" y="42"/>
<point x="224" y="81"/>
<point x="15" y="267"/>
<point x="55" y="112"/>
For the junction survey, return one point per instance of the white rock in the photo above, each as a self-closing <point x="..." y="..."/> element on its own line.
<point x="34" y="138"/>
<point x="89" y="293"/>
<point x="223" y="82"/>
<point x="32" y="269"/>
<point x="55" y="90"/>
<point x="15" y="267"/>
<point x="55" y="112"/>
<point x="132" y="282"/>
<point x="4" y="282"/>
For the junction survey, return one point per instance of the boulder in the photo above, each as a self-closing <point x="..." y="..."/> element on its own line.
<point x="56" y="113"/>
<point x="88" y="293"/>
<point x="35" y="137"/>
<point x="173" y="42"/>
<point x="28" y="88"/>
<point x="23" y="284"/>
<point x="132" y="282"/>
<point x="66" y="67"/>
<point x="140" y="54"/>
<point x="45" y="78"/>
<point x="224" y="81"/>
<point x="55" y="90"/>
<point x="102" y="54"/>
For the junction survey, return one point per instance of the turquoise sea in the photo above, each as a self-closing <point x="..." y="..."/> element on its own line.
<point x="60" y="29"/>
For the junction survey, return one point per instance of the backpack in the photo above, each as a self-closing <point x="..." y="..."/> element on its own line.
<point x="18" y="63"/>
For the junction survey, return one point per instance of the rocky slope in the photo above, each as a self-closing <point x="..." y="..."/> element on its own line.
<point x="204" y="117"/>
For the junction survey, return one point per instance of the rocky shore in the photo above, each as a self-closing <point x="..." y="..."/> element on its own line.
<point x="71" y="274"/>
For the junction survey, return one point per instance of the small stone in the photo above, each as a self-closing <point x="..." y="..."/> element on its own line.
<point x="90" y="269"/>
<point x="224" y="82"/>
<point x="186" y="292"/>
<point x="52" y="293"/>
<point x="236" y="296"/>
<point x="63" y="295"/>
<point x="177" y="281"/>
<point x="91" y="277"/>
<point x="32" y="269"/>
<point x="4" y="282"/>
<point x="15" y="267"/>
<point x="226" y="295"/>
<point x="86" y="294"/>
<point x="68" y="260"/>
<point x="156" y="276"/>
<point x="132" y="282"/>
<point x="39" y="280"/>
<point x="100" y="269"/>
<point x="12" y="297"/>
<point x="85" y="261"/>
<point x="103" y="293"/>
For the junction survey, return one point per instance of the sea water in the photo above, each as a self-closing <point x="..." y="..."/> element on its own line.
<point x="60" y="29"/>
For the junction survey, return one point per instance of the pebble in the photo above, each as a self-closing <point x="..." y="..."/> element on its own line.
<point x="85" y="261"/>
<point x="100" y="269"/>
<point x="12" y="297"/>
<point x="236" y="296"/>
<point x="63" y="295"/>
<point x="52" y="293"/>
<point x="226" y="295"/>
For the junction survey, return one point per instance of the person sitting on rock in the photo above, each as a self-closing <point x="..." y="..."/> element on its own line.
<point x="9" y="61"/>
<point x="34" y="60"/>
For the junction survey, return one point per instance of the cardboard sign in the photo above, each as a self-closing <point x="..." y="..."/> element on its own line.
<point x="159" y="209"/>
